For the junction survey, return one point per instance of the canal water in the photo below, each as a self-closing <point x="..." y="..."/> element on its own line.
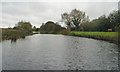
<point x="59" y="52"/>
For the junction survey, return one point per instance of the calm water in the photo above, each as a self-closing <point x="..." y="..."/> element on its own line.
<point x="58" y="52"/>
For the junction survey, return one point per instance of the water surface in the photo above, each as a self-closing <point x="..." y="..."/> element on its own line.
<point x="58" y="52"/>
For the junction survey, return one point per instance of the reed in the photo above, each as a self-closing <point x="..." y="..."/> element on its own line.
<point x="12" y="34"/>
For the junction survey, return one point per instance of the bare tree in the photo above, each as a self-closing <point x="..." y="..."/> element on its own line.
<point x="75" y="17"/>
<point x="67" y="20"/>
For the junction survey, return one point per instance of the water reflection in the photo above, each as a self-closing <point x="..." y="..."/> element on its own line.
<point x="15" y="39"/>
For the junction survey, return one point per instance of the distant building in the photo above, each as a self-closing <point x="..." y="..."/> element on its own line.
<point x="109" y="30"/>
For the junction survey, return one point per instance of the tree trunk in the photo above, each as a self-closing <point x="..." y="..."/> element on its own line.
<point x="69" y="28"/>
<point x="77" y="28"/>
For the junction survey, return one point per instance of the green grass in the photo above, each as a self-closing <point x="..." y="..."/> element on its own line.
<point x="107" y="36"/>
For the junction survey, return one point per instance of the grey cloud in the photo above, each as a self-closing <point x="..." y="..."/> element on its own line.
<point x="39" y="12"/>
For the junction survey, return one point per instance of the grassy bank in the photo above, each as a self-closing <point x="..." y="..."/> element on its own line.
<point x="107" y="36"/>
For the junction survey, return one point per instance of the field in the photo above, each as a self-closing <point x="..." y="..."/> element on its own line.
<point x="107" y="36"/>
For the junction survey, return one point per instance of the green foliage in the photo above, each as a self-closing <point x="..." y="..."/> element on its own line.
<point x="12" y="34"/>
<point x="63" y="31"/>
<point x="50" y="28"/>
<point x="21" y="30"/>
<point x="103" y="23"/>
<point x="81" y="21"/>
<point x="24" y="26"/>
<point x="114" y="19"/>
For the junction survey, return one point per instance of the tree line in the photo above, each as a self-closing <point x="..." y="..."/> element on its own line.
<point x="78" y="20"/>
<point x="75" y="20"/>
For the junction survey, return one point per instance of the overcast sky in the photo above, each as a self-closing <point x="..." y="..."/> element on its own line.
<point x="40" y="12"/>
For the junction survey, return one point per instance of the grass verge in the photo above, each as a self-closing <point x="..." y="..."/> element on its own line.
<point x="107" y="36"/>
